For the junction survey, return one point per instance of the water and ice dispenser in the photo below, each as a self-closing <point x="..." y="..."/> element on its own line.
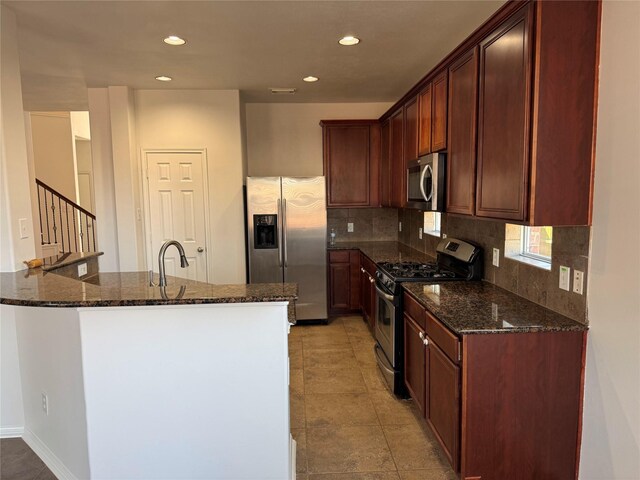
<point x="265" y="231"/>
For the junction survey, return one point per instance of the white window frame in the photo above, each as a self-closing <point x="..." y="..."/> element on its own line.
<point x="524" y="247"/>
<point x="437" y="224"/>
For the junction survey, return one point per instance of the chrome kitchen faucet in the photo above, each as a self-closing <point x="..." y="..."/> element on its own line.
<point x="163" y="249"/>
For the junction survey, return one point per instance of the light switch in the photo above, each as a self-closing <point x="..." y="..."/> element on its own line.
<point x="420" y="233"/>
<point x="565" y="276"/>
<point x="399" y="226"/>
<point x="350" y="227"/>
<point x="24" y="228"/>
<point x="82" y="269"/>
<point x="496" y="257"/>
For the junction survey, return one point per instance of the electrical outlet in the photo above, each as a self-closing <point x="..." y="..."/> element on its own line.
<point x="45" y="403"/>
<point x="444" y="235"/>
<point x="578" y="280"/>
<point x="565" y="276"/>
<point x="24" y="228"/>
<point x="420" y="233"/>
<point x="494" y="312"/>
<point x="399" y="226"/>
<point x="350" y="227"/>
<point x="82" y="269"/>
<point x="496" y="257"/>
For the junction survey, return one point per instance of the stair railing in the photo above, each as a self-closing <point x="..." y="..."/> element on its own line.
<point x="64" y="222"/>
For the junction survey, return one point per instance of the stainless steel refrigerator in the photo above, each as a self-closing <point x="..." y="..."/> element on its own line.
<point x="287" y="235"/>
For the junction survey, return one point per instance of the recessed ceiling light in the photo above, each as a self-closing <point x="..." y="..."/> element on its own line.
<point x="164" y="78"/>
<point x="310" y="79"/>
<point x="174" y="40"/>
<point x="349" y="40"/>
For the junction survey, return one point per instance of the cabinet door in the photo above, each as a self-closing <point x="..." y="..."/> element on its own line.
<point x="346" y="165"/>
<point x="503" y="120"/>
<point x="339" y="283"/>
<point x="398" y="173"/>
<point x="385" y="166"/>
<point x="424" y="122"/>
<point x="461" y="162"/>
<point x="410" y="131"/>
<point x="439" y="115"/>
<point x="414" y="362"/>
<point x="354" y="284"/>
<point x="443" y="401"/>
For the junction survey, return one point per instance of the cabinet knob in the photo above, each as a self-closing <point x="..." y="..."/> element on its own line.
<point x="200" y="249"/>
<point x="421" y="335"/>
<point x="362" y="269"/>
<point x="371" y="280"/>
<point x="426" y="341"/>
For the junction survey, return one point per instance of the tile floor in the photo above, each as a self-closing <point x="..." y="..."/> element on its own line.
<point x="347" y="424"/>
<point x="18" y="462"/>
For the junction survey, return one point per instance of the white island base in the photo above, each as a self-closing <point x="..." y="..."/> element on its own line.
<point x="158" y="392"/>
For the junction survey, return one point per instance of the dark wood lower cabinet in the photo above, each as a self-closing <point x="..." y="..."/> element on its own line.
<point x="510" y="406"/>
<point x="414" y="361"/>
<point x="343" y="281"/>
<point x="442" y="409"/>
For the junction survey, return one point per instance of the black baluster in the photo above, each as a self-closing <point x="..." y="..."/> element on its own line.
<point x="53" y="216"/>
<point x="86" y="219"/>
<point x="61" y="222"/>
<point x="46" y="211"/>
<point x="66" y="213"/>
<point x="93" y="232"/>
<point x="75" y="231"/>
<point x="40" y="215"/>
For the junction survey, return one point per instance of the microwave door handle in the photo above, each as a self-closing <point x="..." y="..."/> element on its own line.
<point x="279" y="233"/>
<point x="424" y="173"/>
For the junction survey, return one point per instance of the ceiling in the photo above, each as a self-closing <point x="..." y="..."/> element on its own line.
<point x="67" y="46"/>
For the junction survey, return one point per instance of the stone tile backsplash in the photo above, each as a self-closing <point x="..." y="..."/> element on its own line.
<point x="369" y="224"/>
<point x="570" y="248"/>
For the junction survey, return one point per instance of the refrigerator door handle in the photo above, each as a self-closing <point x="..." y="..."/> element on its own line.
<point x="279" y="234"/>
<point x="284" y="231"/>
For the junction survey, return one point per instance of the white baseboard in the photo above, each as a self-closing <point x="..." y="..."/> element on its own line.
<point x="11" y="432"/>
<point x="47" y="456"/>
<point x="292" y="455"/>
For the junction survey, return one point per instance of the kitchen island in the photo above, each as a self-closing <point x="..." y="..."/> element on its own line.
<point x="124" y="380"/>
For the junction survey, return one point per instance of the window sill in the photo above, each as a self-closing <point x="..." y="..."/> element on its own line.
<point x="433" y="233"/>
<point x="530" y="261"/>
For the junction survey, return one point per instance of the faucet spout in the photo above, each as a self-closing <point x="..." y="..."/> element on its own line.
<point x="163" y="250"/>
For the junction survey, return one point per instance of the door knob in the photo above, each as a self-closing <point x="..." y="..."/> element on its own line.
<point x="200" y="249"/>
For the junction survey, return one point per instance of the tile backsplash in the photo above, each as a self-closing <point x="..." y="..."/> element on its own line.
<point x="570" y="248"/>
<point x="369" y="224"/>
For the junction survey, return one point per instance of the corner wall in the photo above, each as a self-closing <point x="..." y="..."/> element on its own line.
<point x="611" y="425"/>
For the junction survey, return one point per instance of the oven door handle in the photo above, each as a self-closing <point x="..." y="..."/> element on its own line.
<point x="384" y="295"/>
<point x="378" y="353"/>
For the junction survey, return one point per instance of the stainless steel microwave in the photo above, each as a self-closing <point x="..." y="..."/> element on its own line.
<point x="425" y="183"/>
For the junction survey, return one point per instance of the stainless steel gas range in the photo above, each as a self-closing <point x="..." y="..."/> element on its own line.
<point x="456" y="261"/>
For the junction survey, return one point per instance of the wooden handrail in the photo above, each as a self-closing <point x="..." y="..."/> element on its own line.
<point x="70" y="202"/>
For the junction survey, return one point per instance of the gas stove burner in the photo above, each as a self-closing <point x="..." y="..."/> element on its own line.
<point x="407" y="271"/>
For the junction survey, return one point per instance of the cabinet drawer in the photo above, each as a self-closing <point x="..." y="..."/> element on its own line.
<point x="368" y="265"/>
<point x="339" y="256"/>
<point x="414" y="310"/>
<point x="441" y="335"/>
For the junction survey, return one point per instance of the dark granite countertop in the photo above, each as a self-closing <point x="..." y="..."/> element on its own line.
<point x="479" y="307"/>
<point x="64" y="259"/>
<point x="38" y="288"/>
<point x="380" y="252"/>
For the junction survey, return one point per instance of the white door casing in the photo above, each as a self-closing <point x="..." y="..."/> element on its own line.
<point x="176" y="209"/>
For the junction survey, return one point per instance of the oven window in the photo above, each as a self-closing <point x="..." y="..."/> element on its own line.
<point x="385" y="313"/>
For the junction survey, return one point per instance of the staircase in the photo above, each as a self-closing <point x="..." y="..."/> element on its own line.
<point x="63" y="223"/>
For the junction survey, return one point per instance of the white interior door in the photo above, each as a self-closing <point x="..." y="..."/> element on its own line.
<point x="176" y="190"/>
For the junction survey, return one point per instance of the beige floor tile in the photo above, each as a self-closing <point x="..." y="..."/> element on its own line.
<point x="296" y="381"/>
<point x="438" y="474"/>
<point x="330" y="357"/>
<point x="356" y="476"/>
<point x="365" y="354"/>
<point x="295" y="358"/>
<point x="364" y="339"/>
<point x="333" y="380"/>
<point x="296" y="411"/>
<point x="334" y="325"/>
<point x="356" y="325"/>
<point x="414" y="449"/>
<point x="326" y="339"/>
<point x="373" y="379"/>
<point x="300" y="436"/>
<point x="348" y="449"/>
<point x="393" y="411"/>
<point x="338" y="409"/>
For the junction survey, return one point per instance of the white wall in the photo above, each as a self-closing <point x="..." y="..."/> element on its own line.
<point x="204" y="119"/>
<point x="11" y="410"/>
<point x="611" y="431"/>
<point x="80" y="125"/>
<point x="285" y="139"/>
<point x="53" y="151"/>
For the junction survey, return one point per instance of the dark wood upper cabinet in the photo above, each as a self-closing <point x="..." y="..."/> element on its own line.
<point x="385" y="166"/>
<point x="352" y="162"/>
<point x="398" y="171"/>
<point x="503" y="120"/>
<point x="410" y="131"/>
<point x="463" y="106"/>
<point x="424" y="122"/>
<point x="439" y="113"/>
<point x="442" y="409"/>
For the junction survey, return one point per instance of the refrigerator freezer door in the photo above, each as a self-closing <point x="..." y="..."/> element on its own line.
<point x="305" y="242"/>
<point x="264" y="201"/>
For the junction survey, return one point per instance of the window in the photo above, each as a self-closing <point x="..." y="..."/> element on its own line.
<point x="431" y="223"/>
<point x="531" y="245"/>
